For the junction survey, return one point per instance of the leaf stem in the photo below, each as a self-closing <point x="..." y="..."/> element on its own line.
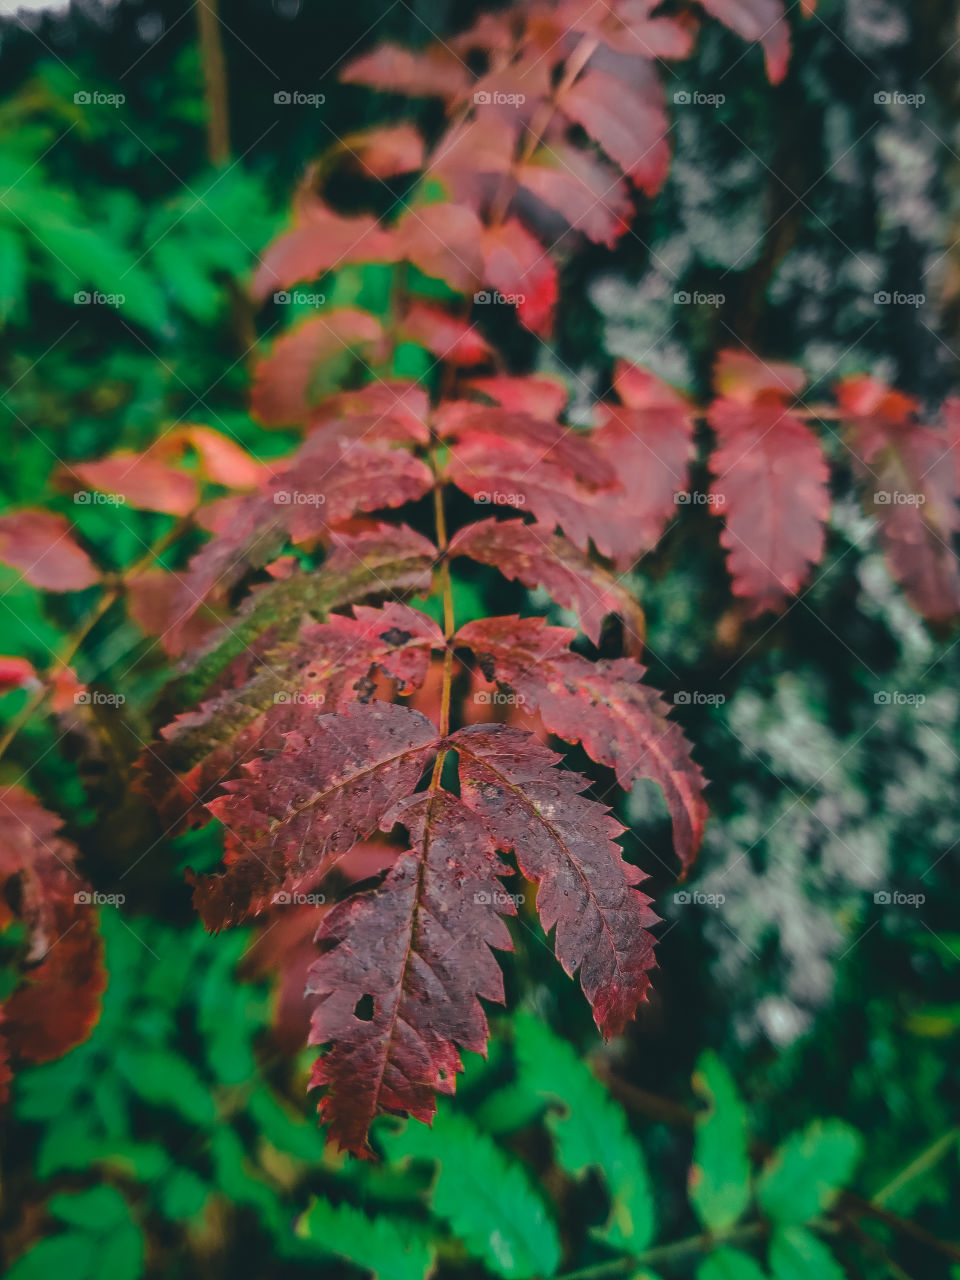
<point x="666" y="1253"/>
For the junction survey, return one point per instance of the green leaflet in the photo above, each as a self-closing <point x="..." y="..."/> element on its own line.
<point x="719" y="1179"/>
<point x="12" y="264"/>
<point x="382" y="1245"/>
<point x="795" y="1254"/>
<point x="103" y="1241"/>
<point x="486" y="1197"/>
<point x="730" y="1264"/>
<point x="805" y="1173"/>
<point x="592" y="1132"/>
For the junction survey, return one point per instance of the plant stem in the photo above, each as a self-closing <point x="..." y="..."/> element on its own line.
<point x="667" y="1252"/>
<point x="925" y="1161"/>
<point x="449" y="622"/>
<point x="215" y="82"/>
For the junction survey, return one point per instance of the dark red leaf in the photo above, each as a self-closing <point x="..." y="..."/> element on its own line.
<point x="586" y="192"/>
<point x="434" y="72"/>
<point x="321" y="242"/>
<point x="620" y="722"/>
<point x="419" y="950"/>
<point x="296" y="813"/>
<point x="566" y="845"/>
<point x="761" y="20"/>
<point x="521" y="551"/>
<point x="445" y="335"/>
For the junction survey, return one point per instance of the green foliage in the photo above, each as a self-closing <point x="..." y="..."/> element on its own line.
<point x="390" y="1249"/>
<point x="804" y="1175"/>
<point x="720" y="1173"/>
<point x="486" y="1198"/>
<point x="589" y="1129"/>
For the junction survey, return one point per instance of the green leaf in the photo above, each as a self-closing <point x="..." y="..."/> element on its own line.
<point x="389" y="1248"/>
<point x="591" y="1132"/>
<point x="12" y="264"/>
<point x="167" y="1080"/>
<point x="795" y="1254"/>
<point x="719" y="1181"/>
<point x="98" y="1210"/>
<point x="183" y="1195"/>
<point x="121" y="1254"/>
<point x="730" y="1264"/>
<point x="804" y="1174"/>
<point x="487" y="1198"/>
<point x="69" y="1254"/>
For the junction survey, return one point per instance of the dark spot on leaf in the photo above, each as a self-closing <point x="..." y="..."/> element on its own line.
<point x="364" y="1009"/>
<point x="396" y="637"/>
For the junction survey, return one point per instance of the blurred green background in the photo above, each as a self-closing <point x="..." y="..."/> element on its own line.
<point x="793" y="1087"/>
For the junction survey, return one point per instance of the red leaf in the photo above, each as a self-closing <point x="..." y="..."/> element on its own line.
<point x="431" y="928"/>
<point x="59" y="1000"/>
<point x="15" y="673"/>
<point x="445" y="335"/>
<point x="387" y="151"/>
<point x="628" y="121"/>
<point x="406" y="402"/>
<point x="321" y="242"/>
<point x="520" y="551"/>
<point x="479" y="428"/>
<point x="41" y="545"/>
<point x="620" y="722"/>
<point x="222" y="460"/>
<point x="629" y="29"/>
<point x="142" y="480"/>
<point x="740" y="376"/>
<point x="433" y="72"/>
<point x="910" y="479"/>
<point x="649" y="439"/>
<point x="297" y="813"/>
<point x="518" y="266"/>
<point x="283" y="389"/>
<point x="566" y="845"/>
<point x="443" y="240"/>
<point x="761" y="20"/>
<point x="584" y="191"/>
<point x="770" y="486"/>
<point x="540" y="397"/>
